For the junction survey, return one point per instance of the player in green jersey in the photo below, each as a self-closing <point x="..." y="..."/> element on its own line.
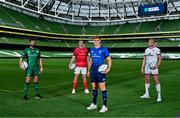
<point x="35" y="67"/>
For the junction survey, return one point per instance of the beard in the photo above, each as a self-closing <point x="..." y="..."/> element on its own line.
<point x="33" y="46"/>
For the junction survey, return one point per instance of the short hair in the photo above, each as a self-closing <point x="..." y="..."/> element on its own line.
<point x="153" y="39"/>
<point x="82" y="41"/>
<point x="96" y="37"/>
<point x="32" y="40"/>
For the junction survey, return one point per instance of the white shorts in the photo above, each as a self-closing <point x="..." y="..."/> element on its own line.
<point x="151" y="71"/>
<point x="80" y="70"/>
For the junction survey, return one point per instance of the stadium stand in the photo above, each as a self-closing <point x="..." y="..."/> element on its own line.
<point x="15" y="19"/>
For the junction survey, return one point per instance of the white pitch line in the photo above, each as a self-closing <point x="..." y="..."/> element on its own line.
<point x="11" y="54"/>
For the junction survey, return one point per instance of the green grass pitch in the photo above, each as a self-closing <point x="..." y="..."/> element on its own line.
<point x="124" y="85"/>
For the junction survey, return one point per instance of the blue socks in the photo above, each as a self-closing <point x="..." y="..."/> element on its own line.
<point x="95" y="94"/>
<point x="104" y="97"/>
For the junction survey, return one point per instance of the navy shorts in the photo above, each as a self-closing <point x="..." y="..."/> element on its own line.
<point x="97" y="77"/>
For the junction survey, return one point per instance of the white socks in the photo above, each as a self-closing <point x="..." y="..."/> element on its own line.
<point x="158" y="89"/>
<point x="147" y="85"/>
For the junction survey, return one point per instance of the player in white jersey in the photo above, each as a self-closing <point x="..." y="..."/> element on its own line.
<point x="151" y="62"/>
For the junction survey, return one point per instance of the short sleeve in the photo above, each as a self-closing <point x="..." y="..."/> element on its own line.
<point x="158" y="51"/>
<point x="145" y="52"/>
<point x="39" y="55"/>
<point x="106" y="52"/>
<point x="87" y="52"/>
<point x="74" y="52"/>
<point x="24" y="54"/>
<point x="90" y="52"/>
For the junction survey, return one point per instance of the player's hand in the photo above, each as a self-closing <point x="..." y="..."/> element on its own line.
<point x="155" y="67"/>
<point x="88" y="74"/>
<point x="21" y="67"/>
<point x="41" y="70"/>
<point x="69" y="67"/>
<point x="142" y="71"/>
<point x="106" y="71"/>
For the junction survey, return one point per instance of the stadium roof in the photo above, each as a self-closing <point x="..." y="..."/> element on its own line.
<point x="94" y="10"/>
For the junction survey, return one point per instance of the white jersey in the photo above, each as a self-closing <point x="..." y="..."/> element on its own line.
<point x="151" y="55"/>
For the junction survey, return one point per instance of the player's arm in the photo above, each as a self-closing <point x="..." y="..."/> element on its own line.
<point x="72" y="61"/>
<point x="41" y="65"/>
<point x="21" y="60"/>
<point x="88" y="58"/>
<point x="109" y="62"/>
<point x="143" y="65"/>
<point x="40" y="62"/>
<point x="159" y="60"/>
<point x="20" y="63"/>
<point x="89" y="66"/>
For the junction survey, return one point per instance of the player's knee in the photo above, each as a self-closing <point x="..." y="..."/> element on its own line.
<point x="35" y="79"/>
<point x="84" y="77"/>
<point x="156" y="82"/>
<point x="94" y="86"/>
<point x="27" y="79"/>
<point x="75" y="80"/>
<point x="102" y="86"/>
<point x="76" y="76"/>
<point x="147" y="81"/>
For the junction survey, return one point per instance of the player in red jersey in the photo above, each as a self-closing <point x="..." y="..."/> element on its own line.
<point x="80" y="54"/>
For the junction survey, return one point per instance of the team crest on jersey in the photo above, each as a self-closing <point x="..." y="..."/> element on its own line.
<point x="37" y="51"/>
<point x="99" y="51"/>
<point x="92" y="51"/>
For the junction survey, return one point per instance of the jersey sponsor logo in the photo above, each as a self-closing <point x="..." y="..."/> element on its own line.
<point x="96" y="56"/>
<point x="149" y="54"/>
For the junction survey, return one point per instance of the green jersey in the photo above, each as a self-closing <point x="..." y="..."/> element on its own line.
<point x="32" y="56"/>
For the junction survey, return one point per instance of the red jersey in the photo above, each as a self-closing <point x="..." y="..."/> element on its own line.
<point x="81" y="56"/>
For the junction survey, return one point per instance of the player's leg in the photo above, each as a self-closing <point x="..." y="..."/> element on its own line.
<point x="36" y="83"/>
<point x="158" y="87"/>
<point x="26" y="87"/>
<point x="95" y="94"/>
<point x="75" y="80"/>
<point x="102" y="86"/>
<point x="94" y="84"/>
<point x="27" y="81"/>
<point x="147" y="86"/>
<point x="147" y="82"/>
<point x="84" y="72"/>
<point x="157" y="84"/>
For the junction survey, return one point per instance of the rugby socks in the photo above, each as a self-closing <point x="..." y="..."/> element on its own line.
<point x="104" y="97"/>
<point x="74" y="84"/>
<point x="26" y="88"/>
<point x="36" y="88"/>
<point x="85" y="84"/>
<point x="158" y="89"/>
<point x="95" y="94"/>
<point x="147" y="85"/>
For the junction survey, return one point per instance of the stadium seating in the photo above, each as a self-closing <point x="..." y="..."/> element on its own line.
<point x="15" y="19"/>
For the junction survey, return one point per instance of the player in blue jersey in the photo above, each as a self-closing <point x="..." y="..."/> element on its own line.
<point x="98" y="55"/>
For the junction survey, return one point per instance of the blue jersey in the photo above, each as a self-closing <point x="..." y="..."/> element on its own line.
<point x="98" y="55"/>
